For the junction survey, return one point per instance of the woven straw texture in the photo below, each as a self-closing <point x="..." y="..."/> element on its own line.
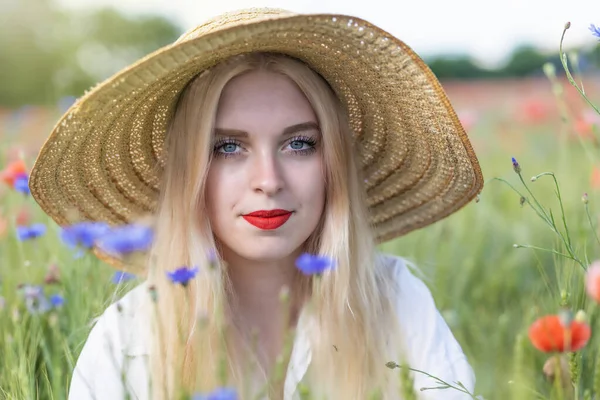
<point x="102" y="159"/>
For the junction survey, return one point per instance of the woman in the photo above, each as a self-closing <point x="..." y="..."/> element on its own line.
<point x="257" y="138"/>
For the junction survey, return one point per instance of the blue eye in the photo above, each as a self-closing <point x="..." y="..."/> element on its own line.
<point x="297" y="144"/>
<point x="302" y="145"/>
<point x="226" y="147"/>
<point x="229" y="147"/>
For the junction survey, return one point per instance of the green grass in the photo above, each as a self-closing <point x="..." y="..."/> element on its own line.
<point x="38" y="351"/>
<point x="489" y="290"/>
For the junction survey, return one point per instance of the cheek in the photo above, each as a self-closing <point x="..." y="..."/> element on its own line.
<point x="211" y="196"/>
<point x="220" y="186"/>
<point x="311" y="184"/>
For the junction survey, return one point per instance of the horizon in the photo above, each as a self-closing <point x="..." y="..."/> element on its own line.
<point x="460" y="28"/>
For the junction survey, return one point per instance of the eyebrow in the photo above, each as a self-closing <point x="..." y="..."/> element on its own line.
<point x="304" y="126"/>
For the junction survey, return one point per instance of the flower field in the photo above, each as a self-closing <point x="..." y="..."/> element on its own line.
<point x="512" y="273"/>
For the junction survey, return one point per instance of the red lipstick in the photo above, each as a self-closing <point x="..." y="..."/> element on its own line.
<point x="268" y="219"/>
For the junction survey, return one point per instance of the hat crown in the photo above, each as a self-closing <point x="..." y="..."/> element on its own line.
<point x="233" y="18"/>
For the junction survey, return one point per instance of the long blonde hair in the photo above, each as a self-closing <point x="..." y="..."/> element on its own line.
<point x="353" y="313"/>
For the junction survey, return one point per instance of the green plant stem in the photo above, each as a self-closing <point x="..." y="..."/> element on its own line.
<point x="548" y="219"/>
<point x="526" y="246"/>
<point x="589" y="217"/>
<point x="445" y="385"/>
<point x="567" y="242"/>
<point x="562" y="211"/>
<point x="563" y="60"/>
<point x="540" y="211"/>
<point x="542" y="216"/>
<point x="460" y="387"/>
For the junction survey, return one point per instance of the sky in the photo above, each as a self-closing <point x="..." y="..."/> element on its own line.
<point x="487" y="30"/>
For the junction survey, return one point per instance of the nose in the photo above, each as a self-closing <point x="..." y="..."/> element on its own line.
<point x="266" y="174"/>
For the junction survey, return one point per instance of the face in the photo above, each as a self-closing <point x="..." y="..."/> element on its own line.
<point x="265" y="185"/>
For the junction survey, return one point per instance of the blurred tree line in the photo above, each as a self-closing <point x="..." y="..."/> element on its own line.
<point x="523" y="62"/>
<point x="48" y="53"/>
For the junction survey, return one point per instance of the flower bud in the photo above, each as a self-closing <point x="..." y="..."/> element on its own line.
<point x="581" y="316"/>
<point x="391" y="365"/>
<point x="153" y="293"/>
<point x="564" y="296"/>
<point x="213" y="259"/>
<point x="549" y="70"/>
<point x="516" y="165"/>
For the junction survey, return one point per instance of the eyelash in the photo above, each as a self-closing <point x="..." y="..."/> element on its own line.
<point x="302" y="152"/>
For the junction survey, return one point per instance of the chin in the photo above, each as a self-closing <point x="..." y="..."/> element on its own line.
<point x="265" y="255"/>
<point x="267" y="250"/>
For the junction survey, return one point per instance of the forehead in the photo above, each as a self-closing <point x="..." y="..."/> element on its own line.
<point x="262" y="99"/>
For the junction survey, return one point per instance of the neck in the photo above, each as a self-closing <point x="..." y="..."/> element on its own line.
<point x="257" y="288"/>
<point x="257" y="306"/>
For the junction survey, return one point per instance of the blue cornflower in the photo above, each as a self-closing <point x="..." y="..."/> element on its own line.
<point x="37" y="305"/>
<point x="218" y="394"/>
<point x="122" y="276"/>
<point x="21" y="184"/>
<point x="595" y="30"/>
<point x="32" y="290"/>
<point x="313" y="265"/>
<point x="183" y="275"/>
<point x="213" y="259"/>
<point x="31" y="231"/>
<point x="516" y="165"/>
<point x="56" y="300"/>
<point x="83" y="234"/>
<point x="126" y="239"/>
<point x="35" y="301"/>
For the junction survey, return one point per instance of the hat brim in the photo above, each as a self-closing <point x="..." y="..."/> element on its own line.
<point x="100" y="161"/>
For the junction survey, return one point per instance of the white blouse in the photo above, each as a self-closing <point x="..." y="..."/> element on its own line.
<point x="116" y="345"/>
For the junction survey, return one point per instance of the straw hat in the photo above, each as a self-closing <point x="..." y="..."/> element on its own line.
<point x="418" y="165"/>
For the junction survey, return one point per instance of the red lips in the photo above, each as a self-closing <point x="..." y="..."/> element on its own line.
<point x="268" y="219"/>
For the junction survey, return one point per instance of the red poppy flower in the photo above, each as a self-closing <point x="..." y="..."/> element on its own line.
<point x="13" y="171"/>
<point x="535" y="110"/>
<point x="584" y="129"/>
<point x="23" y="217"/>
<point x="549" y="334"/>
